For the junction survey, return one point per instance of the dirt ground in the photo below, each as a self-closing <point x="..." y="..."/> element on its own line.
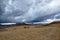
<point x="31" y="32"/>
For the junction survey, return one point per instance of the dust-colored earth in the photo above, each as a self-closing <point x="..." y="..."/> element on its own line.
<point x="31" y="32"/>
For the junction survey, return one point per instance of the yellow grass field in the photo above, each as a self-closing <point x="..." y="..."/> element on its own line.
<point x="31" y="32"/>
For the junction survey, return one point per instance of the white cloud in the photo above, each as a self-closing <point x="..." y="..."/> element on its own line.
<point x="31" y="9"/>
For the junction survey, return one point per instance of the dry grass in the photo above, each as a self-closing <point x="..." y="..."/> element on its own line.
<point x="31" y="32"/>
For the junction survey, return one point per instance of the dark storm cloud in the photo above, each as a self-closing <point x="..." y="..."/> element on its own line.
<point x="29" y="10"/>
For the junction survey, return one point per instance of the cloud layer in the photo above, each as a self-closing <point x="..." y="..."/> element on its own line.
<point x="29" y="11"/>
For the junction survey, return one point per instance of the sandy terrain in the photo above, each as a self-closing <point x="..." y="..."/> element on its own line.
<point x="31" y="32"/>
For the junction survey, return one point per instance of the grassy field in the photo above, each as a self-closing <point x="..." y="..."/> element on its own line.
<point x="31" y="32"/>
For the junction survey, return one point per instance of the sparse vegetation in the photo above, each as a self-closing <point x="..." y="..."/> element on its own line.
<point x="31" y="32"/>
<point x="2" y="29"/>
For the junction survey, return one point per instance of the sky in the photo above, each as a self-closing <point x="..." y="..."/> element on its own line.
<point x="29" y="11"/>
